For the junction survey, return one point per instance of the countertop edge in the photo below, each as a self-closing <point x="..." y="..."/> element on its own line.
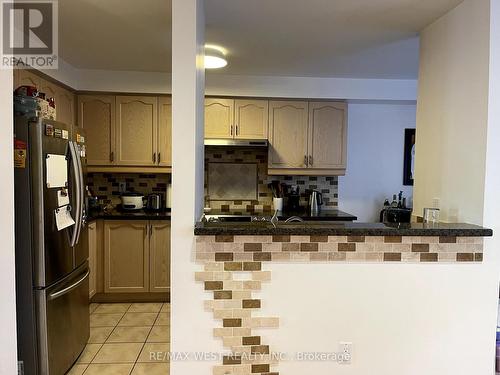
<point x="325" y="231"/>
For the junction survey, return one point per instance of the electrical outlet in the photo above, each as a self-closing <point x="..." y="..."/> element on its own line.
<point x="122" y="187"/>
<point x="345" y="352"/>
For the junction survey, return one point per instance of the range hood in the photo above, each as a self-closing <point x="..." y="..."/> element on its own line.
<point x="236" y="142"/>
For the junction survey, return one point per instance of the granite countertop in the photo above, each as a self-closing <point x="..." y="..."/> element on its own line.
<point x="328" y="228"/>
<point x="129" y="215"/>
<point x="323" y="215"/>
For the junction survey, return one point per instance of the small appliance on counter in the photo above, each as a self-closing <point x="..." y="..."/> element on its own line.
<point x="293" y="199"/>
<point x="132" y="201"/>
<point x="315" y="201"/>
<point x="155" y="202"/>
<point x="396" y="211"/>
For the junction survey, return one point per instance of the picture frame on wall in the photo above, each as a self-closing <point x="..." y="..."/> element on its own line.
<point x="409" y="157"/>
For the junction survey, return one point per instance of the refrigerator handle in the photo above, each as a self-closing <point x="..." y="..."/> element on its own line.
<point x="68" y="289"/>
<point x="81" y="213"/>
<point x="76" y="171"/>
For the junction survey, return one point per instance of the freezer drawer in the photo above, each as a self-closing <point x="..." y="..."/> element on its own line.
<point x="63" y="311"/>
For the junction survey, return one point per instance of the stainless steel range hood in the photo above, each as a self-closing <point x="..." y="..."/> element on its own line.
<point x="236" y="142"/>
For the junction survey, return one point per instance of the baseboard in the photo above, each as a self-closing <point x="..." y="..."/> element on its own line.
<point x="130" y="297"/>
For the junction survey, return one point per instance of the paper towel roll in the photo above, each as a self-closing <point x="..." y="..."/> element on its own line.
<point x="169" y="196"/>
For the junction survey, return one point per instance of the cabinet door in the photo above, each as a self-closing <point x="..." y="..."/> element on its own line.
<point x="251" y="119"/>
<point x="26" y="77"/>
<point x="165" y="132"/>
<point x="65" y="104"/>
<point x="219" y="117"/>
<point x="287" y="134"/>
<point x="136" y="130"/>
<point x="327" y="135"/>
<point x="126" y="256"/>
<point x="49" y="89"/>
<point x="159" y="276"/>
<point x="92" y="236"/>
<point x="96" y="114"/>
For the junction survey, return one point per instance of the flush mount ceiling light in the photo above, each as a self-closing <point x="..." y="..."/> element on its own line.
<point x="214" y="57"/>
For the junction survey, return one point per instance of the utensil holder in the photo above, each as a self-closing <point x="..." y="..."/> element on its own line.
<point x="278" y="204"/>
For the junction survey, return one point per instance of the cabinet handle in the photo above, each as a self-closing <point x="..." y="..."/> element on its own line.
<point x="305" y="160"/>
<point x="159" y="157"/>
<point x="154" y="158"/>
<point x="231" y="130"/>
<point x="310" y="160"/>
<point x="237" y="130"/>
<point x="112" y="156"/>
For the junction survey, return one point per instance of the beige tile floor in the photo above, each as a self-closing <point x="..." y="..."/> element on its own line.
<point x="126" y="339"/>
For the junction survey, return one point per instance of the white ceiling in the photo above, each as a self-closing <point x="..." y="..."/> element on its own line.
<point x="321" y="38"/>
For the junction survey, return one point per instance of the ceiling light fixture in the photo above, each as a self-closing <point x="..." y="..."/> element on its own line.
<point x="214" y="57"/>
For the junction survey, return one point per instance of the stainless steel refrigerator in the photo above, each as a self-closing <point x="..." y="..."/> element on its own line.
<point x="52" y="288"/>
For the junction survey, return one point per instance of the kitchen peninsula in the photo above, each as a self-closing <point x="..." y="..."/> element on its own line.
<point x="225" y="249"/>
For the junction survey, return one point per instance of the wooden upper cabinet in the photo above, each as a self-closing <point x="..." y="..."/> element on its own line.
<point x="251" y="119"/>
<point x="96" y="115"/>
<point x="219" y="118"/>
<point x="287" y="134"/>
<point x="159" y="251"/>
<point x="126" y="256"/>
<point x="164" y="132"/>
<point x="26" y="77"/>
<point x="49" y="89"/>
<point x="136" y="130"/>
<point x="65" y="105"/>
<point x="327" y="135"/>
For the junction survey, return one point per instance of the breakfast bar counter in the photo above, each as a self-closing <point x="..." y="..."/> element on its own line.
<point x="327" y="228"/>
<point x="236" y="258"/>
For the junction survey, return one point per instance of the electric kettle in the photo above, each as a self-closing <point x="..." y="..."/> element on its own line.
<point x="315" y="200"/>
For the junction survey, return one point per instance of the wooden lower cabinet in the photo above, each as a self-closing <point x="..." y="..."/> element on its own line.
<point x="136" y="256"/>
<point x="126" y="256"/>
<point x="159" y="253"/>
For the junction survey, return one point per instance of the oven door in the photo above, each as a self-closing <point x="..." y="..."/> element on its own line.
<point x="63" y="322"/>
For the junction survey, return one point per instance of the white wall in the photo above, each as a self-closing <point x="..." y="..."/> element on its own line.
<point x="375" y="140"/>
<point x="402" y="319"/>
<point x="8" y="348"/>
<point x="452" y="113"/>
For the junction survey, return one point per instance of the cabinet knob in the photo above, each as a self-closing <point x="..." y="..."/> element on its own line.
<point x="310" y="160"/>
<point x="154" y="158"/>
<point x="159" y="157"/>
<point x="305" y="160"/>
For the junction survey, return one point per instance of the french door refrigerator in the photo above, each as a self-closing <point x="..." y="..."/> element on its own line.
<point x="52" y="288"/>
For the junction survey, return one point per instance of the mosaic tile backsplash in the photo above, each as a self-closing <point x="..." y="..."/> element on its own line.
<point x="106" y="185"/>
<point x="327" y="185"/>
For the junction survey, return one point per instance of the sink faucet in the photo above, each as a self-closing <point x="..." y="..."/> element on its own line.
<point x="274" y="219"/>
